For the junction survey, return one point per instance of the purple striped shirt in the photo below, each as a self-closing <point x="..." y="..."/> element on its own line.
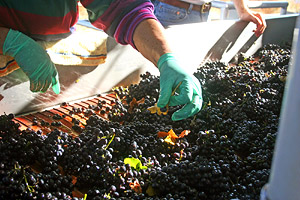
<point x="124" y="32"/>
<point x="52" y="20"/>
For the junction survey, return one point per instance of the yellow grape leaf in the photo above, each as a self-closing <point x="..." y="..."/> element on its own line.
<point x="158" y="110"/>
<point x="170" y="140"/>
<point x="152" y="109"/>
<point x="164" y="134"/>
<point x="155" y="109"/>
<point x="172" y="134"/>
<point x="171" y="137"/>
<point x="150" y="191"/>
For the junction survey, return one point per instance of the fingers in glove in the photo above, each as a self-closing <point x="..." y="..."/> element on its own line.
<point x="32" y="87"/>
<point x="55" y="84"/>
<point x="185" y="94"/>
<point x="189" y="109"/>
<point x="35" y="86"/>
<point x="164" y="96"/>
<point x="45" y="86"/>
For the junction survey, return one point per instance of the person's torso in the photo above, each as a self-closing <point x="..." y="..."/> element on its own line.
<point x="39" y="19"/>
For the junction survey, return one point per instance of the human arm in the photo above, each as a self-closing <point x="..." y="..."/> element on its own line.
<point x="139" y="27"/>
<point x="149" y="38"/>
<point x="246" y="14"/>
<point x="31" y="58"/>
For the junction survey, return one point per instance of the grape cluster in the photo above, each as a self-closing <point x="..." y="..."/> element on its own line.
<point x="226" y="154"/>
<point x="29" y="163"/>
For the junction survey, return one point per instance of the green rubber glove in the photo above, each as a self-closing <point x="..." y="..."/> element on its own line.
<point x="189" y="90"/>
<point x="33" y="60"/>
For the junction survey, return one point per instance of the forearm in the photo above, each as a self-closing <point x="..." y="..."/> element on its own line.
<point x="149" y="38"/>
<point x="241" y="6"/>
<point x="3" y="34"/>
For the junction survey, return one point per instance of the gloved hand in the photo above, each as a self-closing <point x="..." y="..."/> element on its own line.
<point x="33" y="60"/>
<point x="189" y="91"/>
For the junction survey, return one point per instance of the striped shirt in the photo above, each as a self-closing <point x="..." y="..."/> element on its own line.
<point x="50" y="20"/>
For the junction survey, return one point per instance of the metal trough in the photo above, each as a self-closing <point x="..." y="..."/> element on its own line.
<point x="193" y="43"/>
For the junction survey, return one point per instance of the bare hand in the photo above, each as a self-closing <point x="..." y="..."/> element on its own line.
<point x="257" y="19"/>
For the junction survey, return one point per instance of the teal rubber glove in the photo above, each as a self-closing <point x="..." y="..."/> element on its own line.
<point x="33" y="60"/>
<point x="189" y="90"/>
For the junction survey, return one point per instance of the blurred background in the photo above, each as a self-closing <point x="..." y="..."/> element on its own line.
<point x="293" y="7"/>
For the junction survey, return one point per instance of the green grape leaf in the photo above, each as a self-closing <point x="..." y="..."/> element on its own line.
<point x="135" y="163"/>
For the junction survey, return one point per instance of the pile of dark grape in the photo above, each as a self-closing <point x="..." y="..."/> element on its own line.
<point x="225" y="151"/>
